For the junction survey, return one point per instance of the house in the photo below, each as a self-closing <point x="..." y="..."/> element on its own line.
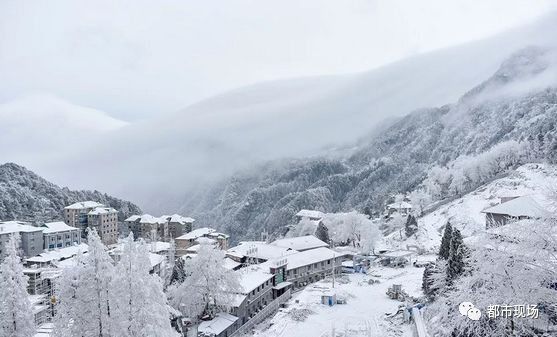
<point x="398" y="258"/>
<point x="257" y="283"/>
<point x="312" y="265"/>
<point x="52" y="257"/>
<point x="300" y="243"/>
<point x="190" y="239"/>
<point x="165" y="227"/>
<point x="512" y="209"/>
<point x="60" y="235"/>
<point x="310" y="215"/>
<point x="401" y="207"/>
<point x="31" y="237"/>
<point x="179" y="225"/>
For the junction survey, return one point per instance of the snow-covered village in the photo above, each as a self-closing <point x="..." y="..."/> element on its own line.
<point x="278" y="169"/>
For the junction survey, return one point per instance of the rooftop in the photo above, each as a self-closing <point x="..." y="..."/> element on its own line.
<point x="9" y="227"/>
<point x="521" y="206"/>
<point x="58" y="254"/>
<point x="310" y="256"/>
<point x="196" y="233"/>
<point x="133" y="218"/>
<point x="306" y="213"/>
<point x="58" y="226"/>
<point x="84" y="205"/>
<point x="253" y="276"/>
<point x="259" y="250"/>
<point x="218" y="324"/>
<point x="300" y="243"/>
<point x="400" y="205"/>
<point x="181" y="219"/>
<point x="102" y="210"/>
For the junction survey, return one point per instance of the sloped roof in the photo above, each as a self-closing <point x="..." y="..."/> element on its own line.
<point x="58" y="226"/>
<point x="260" y="250"/>
<point x="84" y="204"/>
<point x="133" y="218"/>
<point x="181" y="219"/>
<point x="306" y="213"/>
<point x="253" y="276"/>
<point x="8" y="227"/>
<point x="300" y="243"/>
<point x="102" y="210"/>
<point x="400" y="205"/>
<point x="310" y="256"/>
<point x="196" y="233"/>
<point x="218" y="324"/>
<point x="518" y="207"/>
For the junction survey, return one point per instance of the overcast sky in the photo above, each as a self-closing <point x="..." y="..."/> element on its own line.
<point x="135" y="58"/>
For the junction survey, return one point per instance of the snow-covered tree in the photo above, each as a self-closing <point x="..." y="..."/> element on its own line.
<point x="322" y="232"/>
<point x="168" y="269"/>
<point x="304" y="227"/>
<point x="178" y="272"/>
<point x="419" y="199"/>
<point x="138" y="306"/>
<point x="445" y="247"/>
<point x="411" y="226"/>
<point x="352" y="228"/>
<point x="84" y="294"/>
<point x="208" y="287"/>
<point x="16" y="314"/>
<point x="457" y="254"/>
<point x="513" y="265"/>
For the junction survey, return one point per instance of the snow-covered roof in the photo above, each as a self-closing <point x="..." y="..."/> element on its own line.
<point x="231" y="264"/>
<point x="155" y="259"/>
<point x="218" y="235"/>
<point x="300" y="243"/>
<point x="193" y="249"/>
<point x="206" y="241"/>
<point x="159" y="246"/>
<point x="253" y="276"/>
<point x="102" y="210"/>
<point x="196" y="233"/>
<point x="217" y="325"/>
<point x="306" y="213"/>
<point x="58" y="226"/>
<point x="400" y="205"/>
<point x="398" y="253"/>
<point x="181" y="219"/>
<point x="9" y="227"/>
<point x="59" y="254"/>
<point x="310" y="256"/>
<point x="260" y="250"/>
<point x="133" y="218"/>
<point x="521" y="206"/>
<point x="84" y="204"/>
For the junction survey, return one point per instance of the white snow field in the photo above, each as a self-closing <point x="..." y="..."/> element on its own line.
<point x="537" y="181"/>
<point x="363" y="315"/>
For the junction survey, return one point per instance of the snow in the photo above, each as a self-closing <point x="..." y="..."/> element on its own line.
<point x="231" y="264"/>
<point x="365" y="308"/>
<point x="300" y="243"/>
<point x="102" y="210"/>
<point x="218" y="324"/>
<point x="59" y="254"/>
<point x="133" y="218"/>
<point x="253" y="276"/>
<point x="310" y="256"/>
<point x="8" y="227"/>
<point x="306" y="213"/>
<point x="400" y="205"/>
<point x="260" y="250"/>
<point x="466" y="214"/>
<point x="521" y="206"/>
<point x="196" y="233"/>
<point x="181" y="219"/>
<point x="84" y="204"/>
<point x="58" y="226"/>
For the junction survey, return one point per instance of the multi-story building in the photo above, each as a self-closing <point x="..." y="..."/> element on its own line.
<point x="58" y="235"/>
<point x="164" y="228"/>
<point x="186" y="241"/>
<point x="105" y="221"/>
<point x="76" y="215"/>
<point x="31" y="237"/>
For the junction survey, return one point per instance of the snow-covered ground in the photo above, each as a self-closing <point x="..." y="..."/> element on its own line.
<point x="535" y="180"/>
<point x="363" y="315"/>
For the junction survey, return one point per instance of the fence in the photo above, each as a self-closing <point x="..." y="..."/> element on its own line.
<point x="269" y="310"/>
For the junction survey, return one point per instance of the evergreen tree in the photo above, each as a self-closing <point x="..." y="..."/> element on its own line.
<point x="178" y="272"/>
<point x="16" y="314"/>
<point x="427" y="281"/>
<point x="455" y="265"/>
<point x="138" y="304"/>
<point x="84" y="294"/>
<point x="322" y="232"/>
<point x="446" y="242"/>
<point x="411" y="225"/>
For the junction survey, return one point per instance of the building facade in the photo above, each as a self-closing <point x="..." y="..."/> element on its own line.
<point x="76" y="215"/>
<point x="105" y="221"/>
<point x="31" y="237"/>
<point x="58" y="235"/>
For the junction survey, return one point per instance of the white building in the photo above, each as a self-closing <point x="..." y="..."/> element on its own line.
<point x="31" y="237"/>
<point x="58" y="235"/>
<point x="300" y="243"/>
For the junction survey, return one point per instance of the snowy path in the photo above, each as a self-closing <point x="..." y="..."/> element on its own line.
<point x="362" y="316"/>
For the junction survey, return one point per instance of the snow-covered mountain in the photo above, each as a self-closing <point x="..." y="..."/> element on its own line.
<point x="26" y="196"/>
<point x="518" y="102"/>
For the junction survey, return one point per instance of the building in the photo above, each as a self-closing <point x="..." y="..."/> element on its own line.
<point x="31" y="237"/>
<point x="312" y="265"/>
<point x="75" y="215"/>
<point x="402" y="207"/>
<point x="300" y="243"/>
<point x="105" y="221"/>
<point x="222" y="325"/>
<point x="166" y="227"/>
<point x="52" y="258"/>
<point x="184" y="242"/>
<point x="58" y="235"/>
<point x="513" y="209"/>
<point x="310" y="215"/>
<point x="254" y="252"/>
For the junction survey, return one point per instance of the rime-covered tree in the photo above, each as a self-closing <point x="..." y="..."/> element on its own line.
<point x="178" y="272"/>
<point x="84" y="294"/>
<point x="322" y="232"/>
<point x="16" y="312"/>
<point x="208" y="287"/>
<point x="411" y="226"/>
<point x="445" y="247"/>
<point x="138" y="306"/>
<point x="457" y="253"/>
<point x="168" y="268"/>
